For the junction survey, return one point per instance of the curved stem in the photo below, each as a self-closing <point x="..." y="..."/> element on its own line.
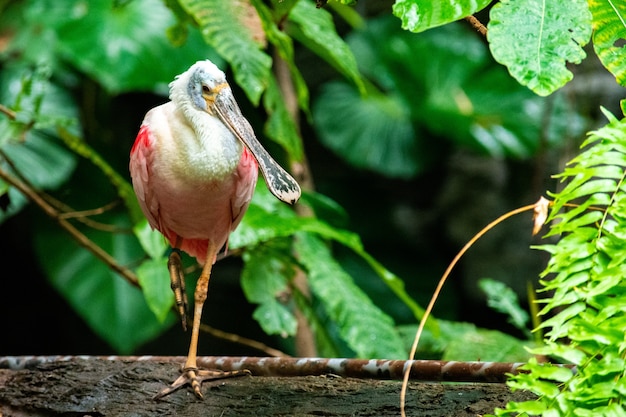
<point x="443" y="279"/>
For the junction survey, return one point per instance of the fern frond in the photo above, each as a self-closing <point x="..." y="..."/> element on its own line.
<point x="585" y="313"/>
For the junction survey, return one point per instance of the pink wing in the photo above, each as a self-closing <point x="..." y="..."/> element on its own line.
<point x="140" y="158"/>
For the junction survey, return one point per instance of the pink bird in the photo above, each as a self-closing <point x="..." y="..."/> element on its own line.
<point x="194" y="166"/>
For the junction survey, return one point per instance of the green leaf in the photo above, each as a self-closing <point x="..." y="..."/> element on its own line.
<point x="453" y="340"/>
<point x="151" y="240"/>
<point x="568" y="353"/>
<point x="420" y="15"/>
<point x="284" y="46"/>
<point x="535" y="39"/>
<point x="280" y="126"/>
<point x="486" y="345"/>
<point x="504" y="300"/>
<point x="117" y="44"/>
<point x="609" y="33"/>
<point x="154" y="279"/>
<point x="114" y="309"/>
<point x="265" y="275"/>
<point x="276" y="318"/>
<point x="373" y="132"/>
<point x="223" y="26"/>
<point x="326" y="209"/>
<point x="368" y="331"/>
<point x="43" y="162"/>
<point x="315" y="29"/>
<point x="264" y="279"/>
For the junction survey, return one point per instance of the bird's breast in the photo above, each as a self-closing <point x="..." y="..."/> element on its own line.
<point x="199" y="150"/>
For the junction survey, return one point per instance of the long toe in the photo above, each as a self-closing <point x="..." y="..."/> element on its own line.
<point x="195" y="377"/>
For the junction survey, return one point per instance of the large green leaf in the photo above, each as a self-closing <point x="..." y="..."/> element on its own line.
<point x="535" y="39"/>
<point x="609" y="34"/>
<point x="117" y="43"/>
<point x="373" y="132"/>
<point x="368" y="331"/>
<point x="222" y="24"/>
<point x="114" y="309"/>
<point x="419" y="15"/>
<point x="315" y="29"/>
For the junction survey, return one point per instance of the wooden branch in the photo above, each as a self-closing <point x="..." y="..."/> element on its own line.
<point x="422" y="370"/>
<point x="477" y="25"/>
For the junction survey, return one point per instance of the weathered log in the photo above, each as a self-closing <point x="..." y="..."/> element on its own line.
<point x="120" y="386"/>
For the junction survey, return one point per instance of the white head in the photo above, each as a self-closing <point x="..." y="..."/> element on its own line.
<point x="198" y="86"/>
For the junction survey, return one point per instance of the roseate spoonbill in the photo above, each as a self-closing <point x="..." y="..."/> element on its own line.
<point x="194" y="166"/>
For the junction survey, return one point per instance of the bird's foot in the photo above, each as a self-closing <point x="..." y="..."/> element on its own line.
<point x="177" y="281"/>
<point x="195" y="377"/>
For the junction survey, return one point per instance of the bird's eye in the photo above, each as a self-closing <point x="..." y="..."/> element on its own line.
<point x="205" y="89"/>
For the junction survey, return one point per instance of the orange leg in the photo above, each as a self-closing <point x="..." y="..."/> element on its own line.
<point x="190" y="373"/>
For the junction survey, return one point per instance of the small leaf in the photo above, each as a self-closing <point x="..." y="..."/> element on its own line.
<point x="276" y="318"/>
<point x="151" y="240"/>
<point x="535" y="39"/>
<point x="265" y="278"/>
<point x="154" y="279"/>
<point x="504" y="300"/>
<point x="265" y="275"/>
<point x="609" y="35"/>
<point x="420" y="15"/>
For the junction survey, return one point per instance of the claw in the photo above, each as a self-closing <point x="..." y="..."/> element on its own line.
<point x="177" y="280"/>
<point x="195" y="377"/>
